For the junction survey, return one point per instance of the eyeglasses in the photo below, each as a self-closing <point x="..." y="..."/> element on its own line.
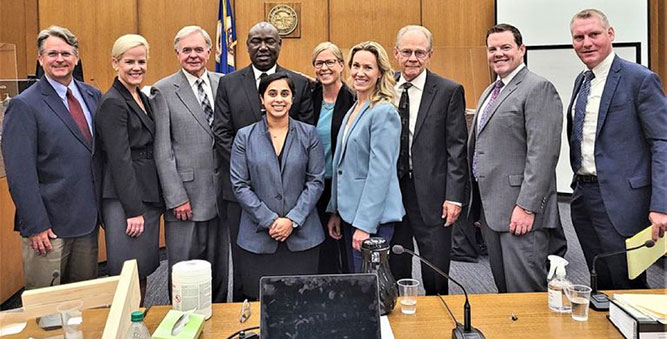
<point x="64" y="54"/>
<point x="320" y="63"/>
<point x="420" y="54"/>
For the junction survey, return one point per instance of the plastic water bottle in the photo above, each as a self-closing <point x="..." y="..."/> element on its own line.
<point x="138" y="329"/>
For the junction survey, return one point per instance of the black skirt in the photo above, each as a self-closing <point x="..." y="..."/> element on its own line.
<point x="283" y="262"/>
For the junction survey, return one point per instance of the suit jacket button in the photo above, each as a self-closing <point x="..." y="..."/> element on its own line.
<point x="279" y="197"/>
<point x="340" y="172"/>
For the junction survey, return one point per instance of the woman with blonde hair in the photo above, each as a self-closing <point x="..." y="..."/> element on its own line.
<point x="365" y="195"/>
<point x="131" y="198"/>
<point x="331" y="100"/>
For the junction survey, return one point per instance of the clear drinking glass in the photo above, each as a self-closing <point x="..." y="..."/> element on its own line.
<point x="407" y="292"/>
<point x="71" y="318"/>
<point x="580" y="297"/>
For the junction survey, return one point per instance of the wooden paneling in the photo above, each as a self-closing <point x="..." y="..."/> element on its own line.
<point x="97" y="24"/>
<point x="160" y="20"/>
<point x="295" y="54"/>
<point x="14" y="16"/>
<point x="460" y="25"/>
<point x="11" y="267"/>
<point x="353" y="21"/>
<point x="658" y="39"/>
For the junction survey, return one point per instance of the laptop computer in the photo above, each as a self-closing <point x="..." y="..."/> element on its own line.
<point x="320" y="306"/>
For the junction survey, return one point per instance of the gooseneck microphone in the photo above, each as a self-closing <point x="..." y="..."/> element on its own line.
<point x="599" y="300"/>
<point x="467" y="331"/>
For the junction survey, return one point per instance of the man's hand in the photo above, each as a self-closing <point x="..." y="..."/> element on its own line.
<point x="521" y="222"/>
<point x="135" y="226"/>
<point x="41" y="242"/>
<point x="358" y="237"/>
<point x="450" y="212"/>
<point x="281" y="229"/>
<point x="659" y="223"/>
<point x="334" y="226"/>
<point x="183" y="212"/>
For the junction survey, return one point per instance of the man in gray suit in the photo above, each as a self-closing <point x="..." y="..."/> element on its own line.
<point x="432" y="162"/>
<point x="186" y="160"/>
<point x="514" y="146"/>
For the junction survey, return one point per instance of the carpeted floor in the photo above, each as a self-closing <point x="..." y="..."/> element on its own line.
<point x="476" y="277"/>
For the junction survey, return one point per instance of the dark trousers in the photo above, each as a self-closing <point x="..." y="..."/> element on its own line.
<point x="333" y="257"/>
<point x="232" y="221"/>
<point x="354" y="257"/>
<point x="597" y="235"/>
<point x="434" y="243"/>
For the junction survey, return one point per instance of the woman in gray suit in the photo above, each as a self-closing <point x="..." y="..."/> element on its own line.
<point x="365" y="194"/>
<point x="132" y="201"/>
<point x="277" y="173"/>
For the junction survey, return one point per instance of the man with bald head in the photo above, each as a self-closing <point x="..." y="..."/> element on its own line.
<point x="237" y="105"/>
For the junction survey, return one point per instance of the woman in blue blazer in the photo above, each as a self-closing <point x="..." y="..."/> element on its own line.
<point x="365" y="195"/>
<point x="131" y="197"/>
<point x="277" y="173"/>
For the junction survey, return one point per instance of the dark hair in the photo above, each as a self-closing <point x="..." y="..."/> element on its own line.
<point x="499" y="28"/>
<point x="264" y="83"/>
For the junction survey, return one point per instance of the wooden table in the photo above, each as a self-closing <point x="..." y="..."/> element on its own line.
<point x="491" y="313"/>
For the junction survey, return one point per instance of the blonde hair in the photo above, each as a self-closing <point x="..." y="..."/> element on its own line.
<point x="331" y="47"/>
<point x="384" y="87"/>
<point x="126" y="42"/>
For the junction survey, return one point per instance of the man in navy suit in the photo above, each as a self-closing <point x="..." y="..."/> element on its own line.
<point x="237" y="105"/>
<point x="52" y="170"/>
<point x="617" y="129"/>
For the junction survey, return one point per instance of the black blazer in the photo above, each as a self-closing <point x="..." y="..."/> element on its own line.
<point x="439" y="154"/>
<point x="344" y="102"/>
<point x="237" y="105"/>
<point x="125" y="134"/>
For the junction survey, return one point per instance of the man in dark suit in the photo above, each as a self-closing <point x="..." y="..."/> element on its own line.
<point x="52" y="169"/>
<point x="184" y="104"/>
<point x="514" y="145"/>
<point x="617" y="129"/>
<point x="237" y="105"/>
<point x="432" y="167"/>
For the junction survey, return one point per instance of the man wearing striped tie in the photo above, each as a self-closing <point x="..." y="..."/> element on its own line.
<point x="513" y="148"/>
<point x="617" y="129"/>
<point x="186" y="162"/>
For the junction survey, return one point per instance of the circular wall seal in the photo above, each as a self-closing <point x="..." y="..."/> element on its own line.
<point x="284" y="18"/>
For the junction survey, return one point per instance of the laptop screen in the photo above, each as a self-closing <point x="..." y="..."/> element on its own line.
<point x="320" y="306"/>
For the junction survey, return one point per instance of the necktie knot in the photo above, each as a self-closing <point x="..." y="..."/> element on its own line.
<point x="263" y="75"/>
<point x="406" y="85"/>
<point x="200" y="82"/>
<point x="499" y="84"/>
<point x="589" y="75"/>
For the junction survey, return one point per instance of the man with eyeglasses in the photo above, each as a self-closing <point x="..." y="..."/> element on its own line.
<point x="53" y="170"/>
<point x="432" y="160"/>
<point x="237" y="105"/>
<point x="513" y="148"/>
<point x="186" y="161"/>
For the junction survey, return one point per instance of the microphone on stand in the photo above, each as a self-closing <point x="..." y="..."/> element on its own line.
<point x="599" y="300"/>
<point x="460" y="331"/>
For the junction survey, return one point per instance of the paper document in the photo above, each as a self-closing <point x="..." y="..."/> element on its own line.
<point x="653" y="306"/>
<point x="639" y="260"/>
<point x="385" y="328"/>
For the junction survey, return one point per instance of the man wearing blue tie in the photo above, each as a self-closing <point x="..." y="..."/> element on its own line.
<point x="617" y="129"/>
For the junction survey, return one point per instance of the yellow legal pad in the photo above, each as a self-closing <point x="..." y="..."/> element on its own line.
<point x="639" y="260"/>
<point x="652" y="305"/>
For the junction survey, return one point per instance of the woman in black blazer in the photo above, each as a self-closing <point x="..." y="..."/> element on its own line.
<point x="331" y="100"/>
<point x="131" y="199"/>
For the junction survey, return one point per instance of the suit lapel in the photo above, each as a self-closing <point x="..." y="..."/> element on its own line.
<point x="577" y="84"/>
<point x="511" y="87"/>
<point x="608" y="92"/>
<point x="51" y="98"/>
<point x="250" y="88"/>
<point x="186" y="94"/>
<point x="424" y="106"/>
<point x="134" y="107"/>
<point x="287" y="146"/>
<point x="346" y="136"/>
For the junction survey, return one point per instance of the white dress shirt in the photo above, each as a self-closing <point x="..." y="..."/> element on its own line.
<point x="258" y="73"/>
<point x="506" y="80"/>
<point x="192" y="80"/>
<point x="601" y="71"/>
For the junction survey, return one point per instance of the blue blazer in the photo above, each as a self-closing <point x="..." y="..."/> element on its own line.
<point x="267" y="190"/>
<point x="364" y="189"/>
<point x="53" y="174"/>
<point x="630" y="145"/>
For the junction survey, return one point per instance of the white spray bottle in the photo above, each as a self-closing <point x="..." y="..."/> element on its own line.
<point x="558" y="301"/>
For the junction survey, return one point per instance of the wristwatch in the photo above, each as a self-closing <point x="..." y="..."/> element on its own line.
<point x="527" y="211"/>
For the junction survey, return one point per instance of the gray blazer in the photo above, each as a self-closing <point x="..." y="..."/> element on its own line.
<point x="267" y="190"/>
<point x="186" y="161"/>
<point x="518" y="149"/>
